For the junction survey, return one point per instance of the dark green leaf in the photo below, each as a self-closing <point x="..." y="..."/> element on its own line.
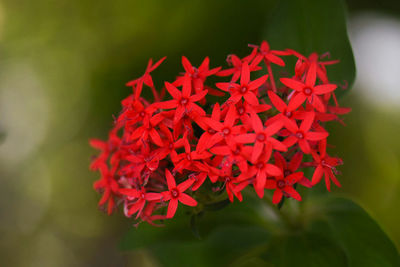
<point x="194" y="226"/>
<point x="304" y="249"/>
<point x="314" y="26"/>
<point x="179" y="228"/>
<point x="146" y="235"/>
<point x="339" y="233"/>
<point x="220" y="248"/>
<point x="217" y="206"/>
<point x="251" y="262"/>
<point x="358" y="234"/>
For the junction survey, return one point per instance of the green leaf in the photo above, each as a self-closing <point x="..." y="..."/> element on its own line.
<point x="304" y="249"/>
<point x="314" y="26"/>
<point x="337" y="232"/>
<point x="218" y="205"/>
<point x="146" y="235"/>
<point x="365" y="243"/>
<point x="194" y="226"/>
<point x="340" y="233"/>
<point x="181" y="227"/>
<point x="221" y="247"/>
<point x="251" y="262"/>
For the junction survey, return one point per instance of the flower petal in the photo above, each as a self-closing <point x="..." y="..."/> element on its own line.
<point x="258" y="82"/>
<point x="256" y="123"/>
<point x="311" y="74"/>
<point x="245" y="74"/>
<point x="318" y="104"/>
<point x="276" y="198"/>
<point x="292" y="83"/>
<point x="324" y="88"/>
<point x="198" y="96"/>
<point x="187" y="65"/>
<point x="296" y="101"/>
<point x="245" y="138"/>
<point x="305" y="146"/>
<point x="153" y="196"/>
<point x="251" y="98"/>
<point x="277" y="101"/>
<point x="187" y="86"/>
<point x="166" y="104"/>
<point x="185" y="184"/>
<point x="170" y="179"/>
<point x="173" y="91"/>
<point x="257" y="150"/>
<point x="273" y="170"/>
<point x="316" y="136"/>
<point x="307" y="122"/>
<point x="293" y="193"/>
<point x="294" y="164"/>
<point x="156" y="64"/>
<point x="187" y="200"/>
<point x="173" y="205"/>
<point x="317" y="175"/>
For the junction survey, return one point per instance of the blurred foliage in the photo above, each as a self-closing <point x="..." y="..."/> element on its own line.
<point x="314" y="26"/>
<point x="63" y="66"/>
<point x="386" y="6"/>
<point x="324" y="231"/>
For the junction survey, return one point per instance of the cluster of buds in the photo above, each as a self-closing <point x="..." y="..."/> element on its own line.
<point x="255" y="133"/>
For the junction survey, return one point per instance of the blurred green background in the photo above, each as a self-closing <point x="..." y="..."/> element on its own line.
<point x="63" y="66"/>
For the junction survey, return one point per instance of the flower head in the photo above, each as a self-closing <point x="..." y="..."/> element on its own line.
<point x="184" y="149"/>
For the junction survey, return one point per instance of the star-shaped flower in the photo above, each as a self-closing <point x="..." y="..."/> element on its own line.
<point x="308" y="90"/>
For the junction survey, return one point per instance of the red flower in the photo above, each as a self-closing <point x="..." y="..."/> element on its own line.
<point x="325" y="165"/>
<point x="199" y="179"/>
<point x="183" y="101"/>
<point x="102" y="158"/>
<point x="106" y="148"/>
<point x="302" y="134"/>
<point x="206" y="139"/>
<point x="197" y="75"/>
<point x="270" y="56"/>
<point x="147" y="216"/>
<point x="170" y="146"/>
<point x="305" y="63"/>
<point x="308" y="90"/>
<point x="246" y="89"/>
<point x="109" y="187"/>
<point x="232" y="146"/>
<point x="284" y="186"/>
<point x="281" y="106"/>
<point x="146" y="79"/>
<point x="147" y="131"/>
<point x="188" y="160"/>
<point x="176" y="193"/>
<point x="225" y="130"/>
<point x="243" y="110"/>
<point x="145" y="159"/>
<point x="229" y="181"/>
<point x="133" y="112"/>
<point x="237" y="154"/>
<point x="263" y="142"/>
<point x="261" y="170"/>
<point x="237" y="64"/>
<point x="291" y="166"/>
<point x="138" y="197"/>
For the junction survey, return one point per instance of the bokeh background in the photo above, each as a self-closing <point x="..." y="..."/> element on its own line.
<point x="63" y="68"/>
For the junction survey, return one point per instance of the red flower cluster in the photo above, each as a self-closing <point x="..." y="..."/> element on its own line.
<point x="161" y="153"/>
